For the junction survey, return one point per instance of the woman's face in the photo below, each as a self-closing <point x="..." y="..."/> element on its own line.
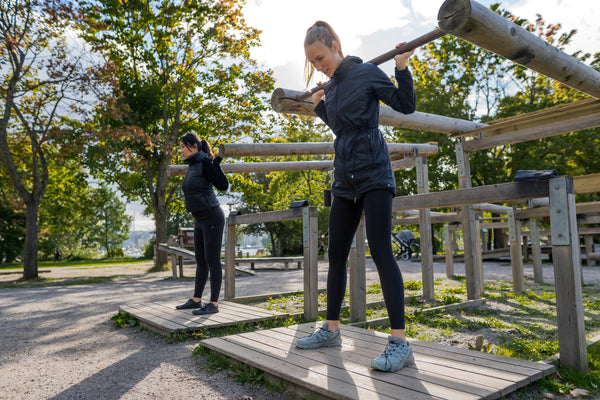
<point x="324" y="59"/>
<point x="186" y="151"/>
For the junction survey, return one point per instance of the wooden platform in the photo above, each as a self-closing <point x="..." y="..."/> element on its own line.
<point x="164" y="318"/>
<point x="439" y="372"/>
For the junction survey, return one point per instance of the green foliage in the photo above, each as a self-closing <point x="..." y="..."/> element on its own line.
<point x="174" y="67"/>
<point x="124" y="320"/>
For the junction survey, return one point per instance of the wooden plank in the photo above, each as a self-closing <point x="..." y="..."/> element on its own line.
<point x="511" y="368"/>
<point x="533" y="133"/>
<point x="268" y="216"/>
<point x="318" y="379"/>
<point x="344" y="372"/>
<point x="352" y="368"/>
<point x="502" y="192"/>
<point x="284" y="101"/>
<point x="587" y="183"/>
<point x="361" y="350"/>
<point x="535" y="118"/>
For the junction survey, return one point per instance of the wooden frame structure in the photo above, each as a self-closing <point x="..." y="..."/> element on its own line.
<point x="310" y="233"/>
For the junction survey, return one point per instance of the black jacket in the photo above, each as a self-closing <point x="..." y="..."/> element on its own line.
<point x="202" y="174"/>
<point x="351" y="109"/>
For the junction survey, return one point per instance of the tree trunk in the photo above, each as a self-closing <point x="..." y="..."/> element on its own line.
<point x="30" y="268"/>
<point x="160" y="224"/>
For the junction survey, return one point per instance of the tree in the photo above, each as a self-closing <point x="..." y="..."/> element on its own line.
<point x="38" y="79"/>
<point x="177" y="66"/>
<point x="112" y="225"/>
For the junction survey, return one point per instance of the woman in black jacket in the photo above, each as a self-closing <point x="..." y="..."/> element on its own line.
<point x="203" y="173"/>
<point x="363" y="179"/>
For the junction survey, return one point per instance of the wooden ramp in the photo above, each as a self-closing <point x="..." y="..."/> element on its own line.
<point x="439" y="372"/>
<point x="164" y="318"/>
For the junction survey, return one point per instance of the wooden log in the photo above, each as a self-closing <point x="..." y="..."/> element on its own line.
<point x="254" y="167"/>
<point x="284" y="101"/>
<point x="313" y="148"/>
<point x="477" y="24"/>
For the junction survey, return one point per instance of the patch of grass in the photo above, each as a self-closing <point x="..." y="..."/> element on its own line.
<point x="125" y="320"/>
<point x="101" y="262"/>
<point x="47" y="282"/>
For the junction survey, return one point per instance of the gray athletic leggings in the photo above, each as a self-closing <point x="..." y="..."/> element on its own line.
<point x="344" y="218"/>
<point x="208" y="236"/>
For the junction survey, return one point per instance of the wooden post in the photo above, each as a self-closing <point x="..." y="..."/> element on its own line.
<point x="425" y="233"/>
<point x="174" y="265"/>
<point x="448" y="250"/>
<point x="358" y="279"/>
<point x="477" y="24"/>
<point x="470" y="236"/>
<point x="536" y="251"/>
<point x="516" y="255"/>
<point x="229" y="261"/>
<point x="180" y="262"/>
<point x="589" y="248"/>
<point x="567" y="274"/>
<point x="310" y="234"/>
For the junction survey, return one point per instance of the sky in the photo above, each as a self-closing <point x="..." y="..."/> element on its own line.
<point x="370" y="28"/>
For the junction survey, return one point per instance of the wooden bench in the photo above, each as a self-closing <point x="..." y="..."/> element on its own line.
<point x="179" y="254"/>
<point x="285" y="260"/>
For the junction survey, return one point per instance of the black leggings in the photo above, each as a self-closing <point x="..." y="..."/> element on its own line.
<point x="344" y="218"/>
<point x="208" y="236"/>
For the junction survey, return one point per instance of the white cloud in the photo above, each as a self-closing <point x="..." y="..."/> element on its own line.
<point x="369" y="29"/>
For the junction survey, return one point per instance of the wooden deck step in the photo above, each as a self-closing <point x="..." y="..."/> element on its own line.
<point x="439" y="372"/>
<point x="164" y="318"/>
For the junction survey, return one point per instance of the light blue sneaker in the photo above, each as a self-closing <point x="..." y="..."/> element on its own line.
<point x="397" y="355"/>
<point x="322" y="337"/>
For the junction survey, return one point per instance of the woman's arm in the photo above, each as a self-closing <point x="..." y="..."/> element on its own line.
<point x="214" y="173"/>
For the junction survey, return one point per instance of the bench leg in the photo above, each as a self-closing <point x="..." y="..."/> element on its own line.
<point x="174" y="265"/>
<point x="286" y="265"/>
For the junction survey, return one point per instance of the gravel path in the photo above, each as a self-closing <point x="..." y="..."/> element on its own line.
<point x="59" y="342"/>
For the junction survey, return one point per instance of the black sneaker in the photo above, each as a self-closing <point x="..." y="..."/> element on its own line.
<point x="190" y="304"/>
<point x="209" y="308"/>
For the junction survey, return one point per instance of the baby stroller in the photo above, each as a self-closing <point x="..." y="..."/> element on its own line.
<point x="405" y="241"/>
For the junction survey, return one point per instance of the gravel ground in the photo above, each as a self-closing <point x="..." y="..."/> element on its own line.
<point x="59" y="342"/>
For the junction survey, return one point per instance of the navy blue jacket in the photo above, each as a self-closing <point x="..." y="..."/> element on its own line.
<point x="202" y="174"/>
<point x="351" y="109"/>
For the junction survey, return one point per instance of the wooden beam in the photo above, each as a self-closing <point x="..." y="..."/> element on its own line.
<point x="477" y="24"/>
<point x="535" y="118"/>
<point x="284" y="101"/>
<point x="312" y="148"/>
<point x="533" y="133"/>
<point x="254" y="167"/>
<point x="503" y="192"/>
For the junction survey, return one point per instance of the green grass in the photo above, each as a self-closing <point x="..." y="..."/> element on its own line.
<point x="47" y="282"/>
<point x="92" y="263"/>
